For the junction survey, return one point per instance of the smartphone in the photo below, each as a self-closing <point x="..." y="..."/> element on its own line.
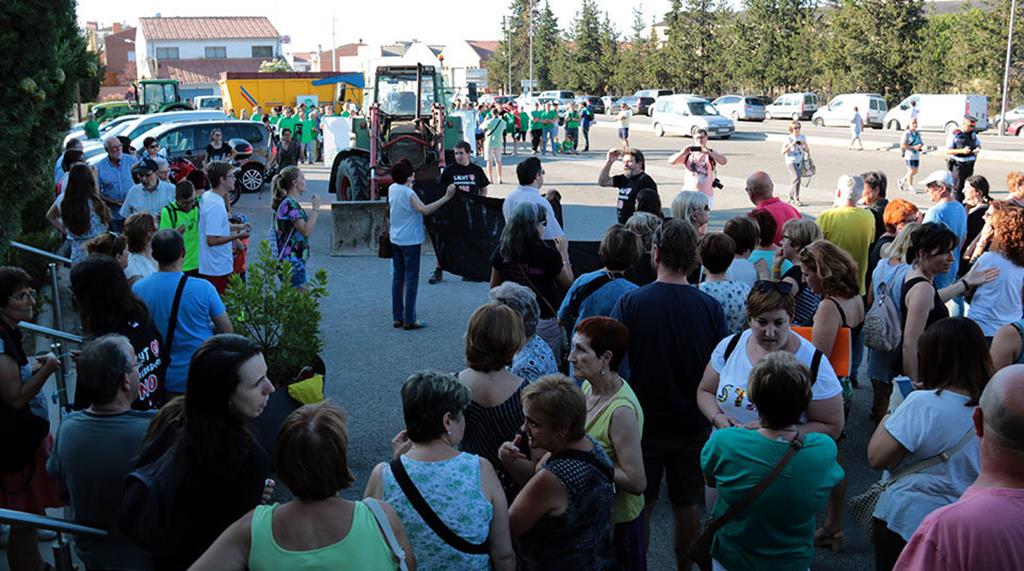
<point x="524" y="444"/>
<point x="695" y="148"/>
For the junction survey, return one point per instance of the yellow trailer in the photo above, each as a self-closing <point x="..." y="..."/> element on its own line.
<point x="247" y="90"/>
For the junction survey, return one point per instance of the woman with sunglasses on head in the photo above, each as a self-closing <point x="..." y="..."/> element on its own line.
<point x="722" y="396"/>
<point x="932" y="247"/>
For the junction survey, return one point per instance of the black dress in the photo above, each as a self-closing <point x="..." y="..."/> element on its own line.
<point x="488" y="427"/>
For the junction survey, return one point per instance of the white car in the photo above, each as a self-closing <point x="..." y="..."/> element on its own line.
<point x="78" y="132"/>
<point x="143" y="123"/>
<point x="686" y="115"/>
<point x="740" y="107"/>
<point x="839" y="111"/>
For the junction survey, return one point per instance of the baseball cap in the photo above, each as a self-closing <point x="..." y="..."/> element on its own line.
<point x="939" y="176"/>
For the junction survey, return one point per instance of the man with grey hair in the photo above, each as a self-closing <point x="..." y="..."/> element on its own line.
<point x="96" y="447"/>
<point x="849" y="227"/>
<point x="151" y="194"/>
<point x="984" y="529"/>
<point x="535" y="359"/>
<point x="114" y="175"/>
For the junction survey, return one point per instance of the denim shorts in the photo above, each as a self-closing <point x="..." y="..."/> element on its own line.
<point x="623" y="132"/>
<point x="298" y="273"/>
<point x="913" y="163"/>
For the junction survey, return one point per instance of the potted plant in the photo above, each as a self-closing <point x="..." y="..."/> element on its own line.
<point x="282" y="320"/>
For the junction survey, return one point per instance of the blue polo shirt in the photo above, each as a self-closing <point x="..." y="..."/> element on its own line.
<point x="115" y="181"/>
<point x="953" y="215"/>
<point x="200" y="303"/>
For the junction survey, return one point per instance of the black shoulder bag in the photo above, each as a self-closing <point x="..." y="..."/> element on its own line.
<point x="172" y="323"/>
<point x="572" y="311"/>
<point x="430" y="517"/>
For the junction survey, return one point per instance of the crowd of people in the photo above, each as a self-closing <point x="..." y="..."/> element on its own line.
<point x="720" y="363"/>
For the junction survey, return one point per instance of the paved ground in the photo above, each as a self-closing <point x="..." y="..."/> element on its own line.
<point x="367" y="359"/>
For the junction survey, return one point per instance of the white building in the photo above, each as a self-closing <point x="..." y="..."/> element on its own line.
<point x="196" y="50"/>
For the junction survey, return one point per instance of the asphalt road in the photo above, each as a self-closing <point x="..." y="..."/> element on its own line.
<point x="367" y="359"/>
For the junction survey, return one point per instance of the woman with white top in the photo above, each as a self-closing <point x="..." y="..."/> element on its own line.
<point x="700" y="163"/>
<point x="722" y="396"/>
<point x="139" y="229"/>
<point x="934" y="419"/>
<point x="795" y="150"/>
<point x="998" y="303"/>
<point x="407" y="233"/>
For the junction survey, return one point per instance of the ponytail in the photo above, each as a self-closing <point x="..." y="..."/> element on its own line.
<point x="283" y="183"/>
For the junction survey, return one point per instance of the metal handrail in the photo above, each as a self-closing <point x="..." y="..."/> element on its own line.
<point x="54" y="524"/>
<point x="51" y="333"/>
<point x="37" y="251"/>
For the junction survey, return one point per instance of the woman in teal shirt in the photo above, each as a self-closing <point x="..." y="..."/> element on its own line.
<point x="774" y="533"/>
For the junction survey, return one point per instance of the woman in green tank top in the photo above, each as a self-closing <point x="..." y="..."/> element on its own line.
<point x="319" y="530"/>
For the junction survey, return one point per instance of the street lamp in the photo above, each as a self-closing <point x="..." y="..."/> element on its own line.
<point x="1006" y="69"/>
<point x="531" y="48"/>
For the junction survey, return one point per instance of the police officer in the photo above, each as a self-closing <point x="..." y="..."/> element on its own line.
<point x="962" y="146"/>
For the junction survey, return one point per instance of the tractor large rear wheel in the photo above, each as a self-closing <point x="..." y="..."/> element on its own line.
<point x="351" y="178"/>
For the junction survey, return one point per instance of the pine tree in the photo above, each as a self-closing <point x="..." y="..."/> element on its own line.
<point x="588" y="55"/>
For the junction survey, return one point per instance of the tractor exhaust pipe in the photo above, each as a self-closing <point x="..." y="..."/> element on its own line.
<point x="419" y="89"/>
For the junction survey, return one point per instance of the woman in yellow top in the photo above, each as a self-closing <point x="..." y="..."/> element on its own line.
<point x="318" y="530"/>
<point x="615" y="421"/>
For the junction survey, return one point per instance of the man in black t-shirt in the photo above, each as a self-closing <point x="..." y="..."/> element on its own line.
<point x="632" y="180"/>
<point x="467" y="177"/>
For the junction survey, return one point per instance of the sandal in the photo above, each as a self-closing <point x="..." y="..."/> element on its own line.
<point x="834" y="540"/>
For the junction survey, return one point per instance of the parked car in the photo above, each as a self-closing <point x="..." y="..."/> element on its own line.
<point x="939" y="112"/>
<point x="839" y="110"/>
<point x="78" y="132"/>
<point x="653" y="93"/>
<point x="1012" y="116"/>
<point x="596" y="103"/>
<point x="563" y="97"/>
<point x="795" y="106"/>
<point x="740" y="107"/>
<point x="638" y="105"/>
<point x="686" y="115"/>
<point x="208" y="102"/>
<point x="134" y="128"/>
<point x="1016" y="128"/>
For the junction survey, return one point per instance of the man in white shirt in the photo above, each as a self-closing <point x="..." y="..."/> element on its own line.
<point x="531" y="177"/>
<point x="216" y="261"/>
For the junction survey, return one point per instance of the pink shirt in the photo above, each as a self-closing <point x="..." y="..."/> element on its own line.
<point x="780" y="211"/>
<point x="984" y="529"/>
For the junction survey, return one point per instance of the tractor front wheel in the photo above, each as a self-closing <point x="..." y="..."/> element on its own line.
<point x="351" y="178"/>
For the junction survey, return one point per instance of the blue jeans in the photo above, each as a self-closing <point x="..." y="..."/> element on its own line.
<point x="550" y="134"/>
<point x="310" y="148"/>
<point x="405" y="280"/>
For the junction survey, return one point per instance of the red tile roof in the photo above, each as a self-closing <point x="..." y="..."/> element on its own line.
<point x="194" y="71"/>
<point x="484" y="48"/>
<point x="214" y="28"/>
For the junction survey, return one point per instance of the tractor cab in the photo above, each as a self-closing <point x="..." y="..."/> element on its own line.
<point x="158" y="96"/>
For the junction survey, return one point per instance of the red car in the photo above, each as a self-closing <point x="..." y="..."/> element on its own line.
<point x="1016" y="128"/>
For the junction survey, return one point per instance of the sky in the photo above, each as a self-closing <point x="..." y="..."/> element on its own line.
<point x="374" y="21"/>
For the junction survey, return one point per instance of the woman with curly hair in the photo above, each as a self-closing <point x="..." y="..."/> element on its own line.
<point x="1015" y="184"/>
<point x="998" y="303"/>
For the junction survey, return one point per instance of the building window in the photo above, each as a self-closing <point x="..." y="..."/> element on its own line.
<point x="131" y="55"/>
<point x="263" y="52"/>
<point x="216" y="52"/>
<point x="167" y="53"/>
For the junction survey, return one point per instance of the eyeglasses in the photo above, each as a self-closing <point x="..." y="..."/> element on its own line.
<point x="25" y="295"/>
<point x="765" y="286"/>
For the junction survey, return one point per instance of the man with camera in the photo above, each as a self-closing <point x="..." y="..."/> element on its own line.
<point x="632" y="180"/>
<point x="700" y="163"/>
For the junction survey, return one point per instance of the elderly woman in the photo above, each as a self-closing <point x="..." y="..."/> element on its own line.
<point x="891" y="271"/>
<point x="931" y="252"/>
<point x="935" y="419"/>
<point x="534" y="359"/>
<point x="831" y="273"/>
<point x="524" y="258"/>
<point x="615" y="420"/>
<point x="643" y="224"/>
<point x="461" y="489"/>
<point x="318" y="529"/>
<point x="776" y="530"/>
<point x="493" y="337"/>
<point x="796" y="234"/>
<point x="24" y="483"/>
<point x="596" y="293"/>
<point x="139" y="229"/>
<point x="223" y="467"/>
<point x="999" y="303"/>
<point x="723" y="396"/>
<point x="695" y="208"/>
<point x="562" y="518"/>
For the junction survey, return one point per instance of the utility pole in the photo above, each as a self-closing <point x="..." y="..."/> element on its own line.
<point x="531" y="48"/>
<point x="334" y="45"/>
<point x="1006" y="69"/>
<point x="508" y="48"/>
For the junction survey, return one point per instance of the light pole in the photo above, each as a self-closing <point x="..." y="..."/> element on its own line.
<point x="531" y="48"/>
<point x="1006" y="69"/>
<point x="334" y="46"/>
<point x="508" y="48"/>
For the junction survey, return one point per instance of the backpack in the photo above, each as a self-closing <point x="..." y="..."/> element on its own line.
<point x="883" y="329"/>
<point x="148" y="502"/>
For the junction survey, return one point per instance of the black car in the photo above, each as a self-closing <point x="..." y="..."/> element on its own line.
<point x="595" y="103"/>
<point x="638" y="105"/>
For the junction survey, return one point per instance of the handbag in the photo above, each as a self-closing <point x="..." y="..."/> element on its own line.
<point x="384" y="238"/>
<point x="809" y="169"/>
<point x="862" y="506"/>
<point x="700" y="550"/>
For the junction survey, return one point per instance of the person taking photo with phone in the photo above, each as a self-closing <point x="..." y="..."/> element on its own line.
<point x="700" y="163"/>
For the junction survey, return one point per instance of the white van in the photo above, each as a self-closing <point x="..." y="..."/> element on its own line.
<point x="687" y="114"/>
<point x="839" y="111"/>
<point x="564" y="98"/>
<point x="208" y="102"/>
<point x="795" y="106"/>
<point x="939" y="112"/>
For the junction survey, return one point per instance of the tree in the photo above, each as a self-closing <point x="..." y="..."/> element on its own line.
<point x="769" y="45"/>
<point x="695" y="54"/>
<point x="275" y="65"/>
<point x="589" y="53"/>
<point x="515" y="38"/>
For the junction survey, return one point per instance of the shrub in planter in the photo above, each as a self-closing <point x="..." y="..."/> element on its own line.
<point x="282" y="320"/>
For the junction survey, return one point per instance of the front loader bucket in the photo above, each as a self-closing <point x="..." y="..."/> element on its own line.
<point x="356" y="227"/>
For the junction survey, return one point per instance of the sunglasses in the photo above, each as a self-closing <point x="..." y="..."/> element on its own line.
<point x="765" y="286"/>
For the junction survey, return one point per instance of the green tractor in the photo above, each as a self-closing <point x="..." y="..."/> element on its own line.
<point x="147" y="96"/>
<point x="406" y="120"/>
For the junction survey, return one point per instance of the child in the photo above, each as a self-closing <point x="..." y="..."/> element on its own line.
<point x="716" y="254"/>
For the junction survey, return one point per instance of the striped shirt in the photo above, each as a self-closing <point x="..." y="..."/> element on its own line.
<point x="488" y="427"/>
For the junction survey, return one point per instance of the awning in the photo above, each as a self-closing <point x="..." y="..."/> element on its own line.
<point x="355" y="79"/>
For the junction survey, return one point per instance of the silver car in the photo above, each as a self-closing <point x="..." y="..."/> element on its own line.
<point x="740" y="107"/>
